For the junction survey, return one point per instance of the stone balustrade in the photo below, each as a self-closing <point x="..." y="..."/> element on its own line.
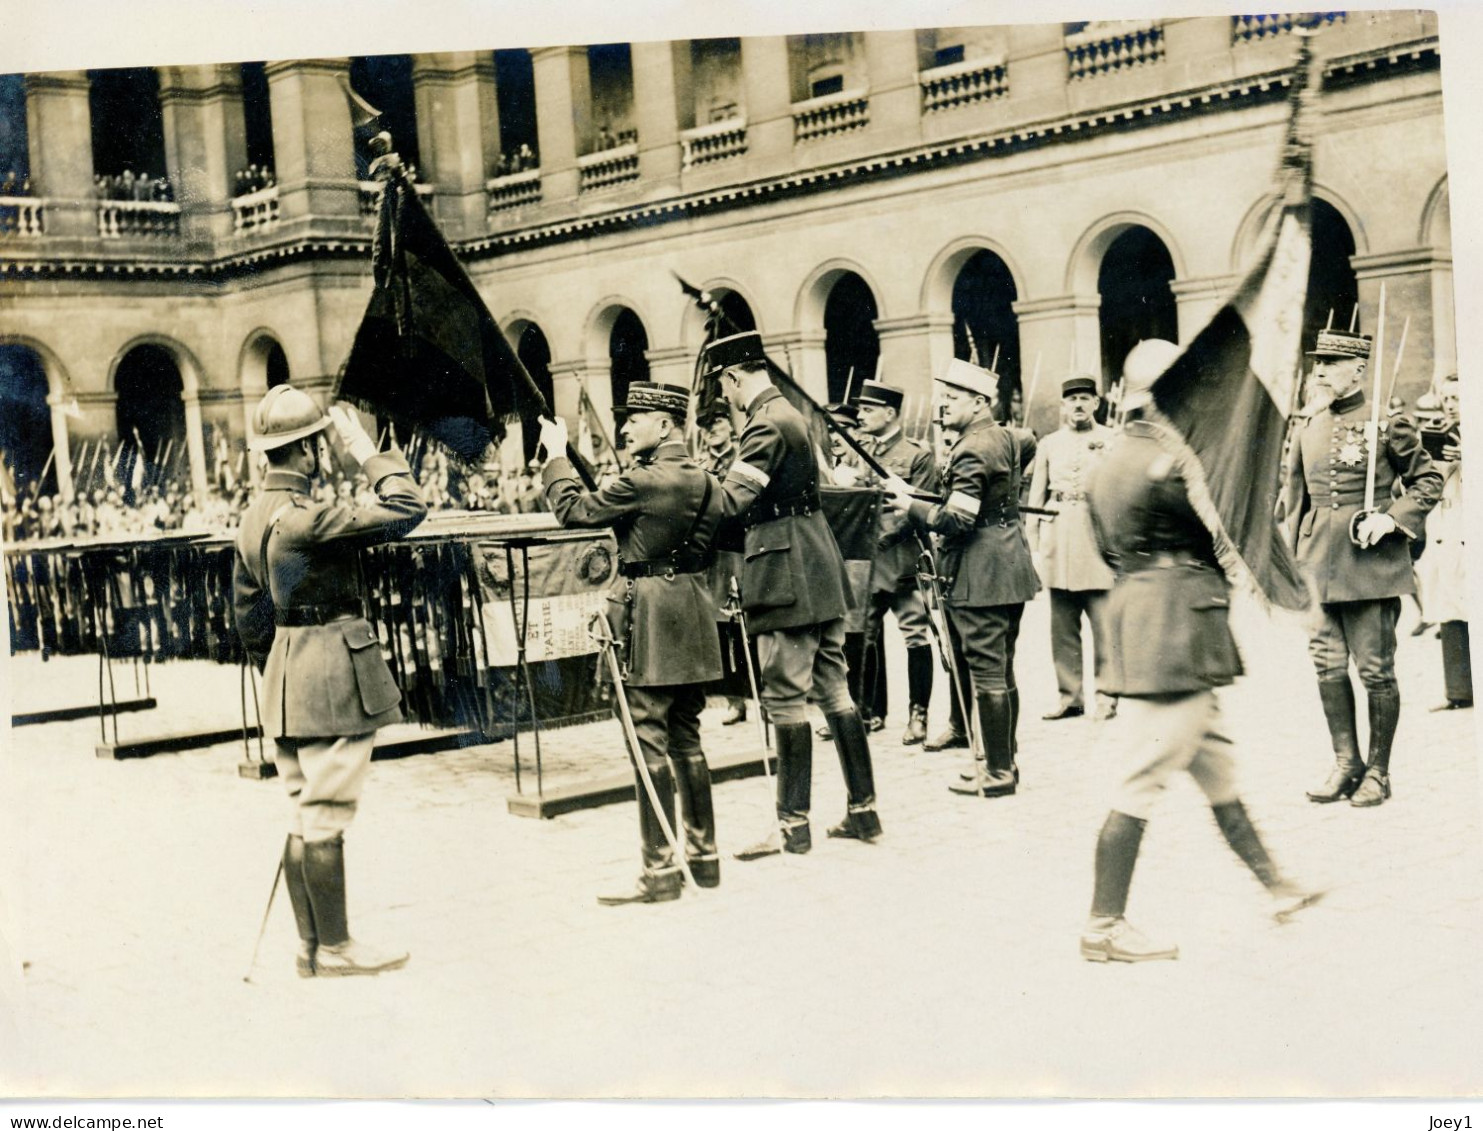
<point x="716" y="141"/>
<point x="961" y="84"/>
<point x="22" y="216"/>
<point x="150" y="218"/>
<point x="609" y="168"/>
<point x="1106" y="47"/>
<point x="1253" y="29"/>
<point x="514" y="190"/>
<point x="830" y="114"/>
<point x="255" y="211"/>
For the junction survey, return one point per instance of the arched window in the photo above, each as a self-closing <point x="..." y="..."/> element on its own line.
<point x="25" y="419"/>
<point x="150" y="418"/>
<point x="627" y="342"/>
<point x="534" y="353"/>
<point x="1137" y="300"/>
<point x="985" y="325"/>
<point x="851" y="345"/>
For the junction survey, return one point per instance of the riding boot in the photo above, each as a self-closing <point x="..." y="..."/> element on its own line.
<point x="1337" y="696"/>
<point x="298" y="896"/>
<point x="339" y="955"/>
<point x="1108" y="936"/>
<point x="1244" y="840"/>
<point x="795" y="762"/>
<point x="956" y="735"/>
<point x="919" y="691"/>
<point x="1014" y="733"/>
<point x="861" y="821"/>
<point x="698" y="814"/>
<point x="1385" y="714"/>
<point x="661" y="877"/>
<point x="995" y="778"/>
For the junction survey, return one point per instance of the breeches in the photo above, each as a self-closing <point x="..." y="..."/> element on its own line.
<point x="1159" y="737"/>
<point x="911" y="617"/>
<point x="666" y="721"/>
<point x="1360" y="630"/>
<point x="802" y="664"/>
<point x="987" y="637"/>
<point x="324" y="778"/>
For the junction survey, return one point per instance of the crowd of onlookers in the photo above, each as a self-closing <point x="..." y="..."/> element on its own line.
<point x="130" y="185"/>
<point x="254" y="178"/>
<point x="519" y="161"/>
<point x="15" y="184"/>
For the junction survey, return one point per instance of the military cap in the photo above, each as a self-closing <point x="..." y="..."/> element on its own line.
<point x="1080" y="383"/>
<point x="879" y="393"/>
<point x="973" y="378"/>
<point x="734" y="350"/>
<point x="846" y="414"/>
<point x="1341" y="343"/>
<point x="649" y="396"/>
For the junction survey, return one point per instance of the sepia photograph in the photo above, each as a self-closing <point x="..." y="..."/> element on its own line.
<point x="884" y="552"/>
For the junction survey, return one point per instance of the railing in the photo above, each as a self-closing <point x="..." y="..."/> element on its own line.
<point x="370" y="195"/>
<point x="830" y="114"/>
<point x="1102" y="48"/>
<point x="1252" y="29"/>
<point x="609" y="167"/>
<point x="22" y="216"/>
<point x="153" y="218"/>
<point x="716" y="141"/>
<point x="255" y="211"/>
<point x="514" y="190"/>
<point x="960" y="84"/>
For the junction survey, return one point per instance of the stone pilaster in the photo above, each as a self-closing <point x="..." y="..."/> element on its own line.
<point x="205" y="144"/>
<point x="59" y="130"/>
<point x="895" y="98"/>
<point x="61" y="442"/>
<point x="1064" y="333"/>
<point x="1418" y="285"/>
<point x="459" y="135"/>
<point x="801" y="353"/>
<point x="314" y="145"/>
<point x="663" y="105"/>
<point x="563" y="117"/>
<point x="769" y="104"/>
<point x="1198" y="300"/>
<point x="914" y="351"/>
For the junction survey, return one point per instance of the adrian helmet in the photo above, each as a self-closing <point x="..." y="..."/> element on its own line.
<point x="284" y="415"/>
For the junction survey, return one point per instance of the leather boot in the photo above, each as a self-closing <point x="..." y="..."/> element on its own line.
<point x="652" y="887"/>
<point x="861" y="821"/>
<point x="698" y="815"/>
<point x="795" y="754"/>
<point x="1337" y="696"/>
<point x="919" y="692"/>
<point x="339" y="955"/>
<point x="1385" y="715"/>
<point x="1117" y="940"/>
<point x="1014" y="732"/>
<point x="995" y="778"/>
<point x="736" y="712"/>
<point x="916" y="727"/>
<point x="298" y="896"/>
<point x="1108" y="937"/>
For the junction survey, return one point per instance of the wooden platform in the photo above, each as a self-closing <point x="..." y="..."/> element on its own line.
<point x="430" y="742"/>
<point x="91" y="711"/>
<point x="612" y="790"/>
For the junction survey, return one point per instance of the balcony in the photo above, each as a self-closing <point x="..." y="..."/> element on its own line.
<point x="830" y="115"/>
<point x="154" y="219"/>
<point x="514" y="190"/>
<point x="255" y="211"/>
<point x="1108" y="47"/>
<point x="22" y="216"/>
<point x="1254" y="29"/>
<point x="962" y="84"/>
<point x="609" y="168"/>
<point x="717" y="141"/>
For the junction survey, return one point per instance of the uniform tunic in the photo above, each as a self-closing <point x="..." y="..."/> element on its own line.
<point x="1064" y="464"/>
<point x="895" y="567"/>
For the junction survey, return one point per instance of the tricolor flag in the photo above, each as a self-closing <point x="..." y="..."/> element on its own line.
<point x="1232" y="390"/>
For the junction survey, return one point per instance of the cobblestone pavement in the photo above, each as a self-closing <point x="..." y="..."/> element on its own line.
<point x="941" y="960"/>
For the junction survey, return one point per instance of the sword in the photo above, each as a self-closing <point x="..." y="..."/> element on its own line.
<point x="1372" y="426"/>
<point x="599" y="629"/>
<point x="929" y="584"/>
<point x="732" y="609"/>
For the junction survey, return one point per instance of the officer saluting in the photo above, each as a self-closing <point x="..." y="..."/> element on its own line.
<point x="794" y="593"/>
<point x="893" y="577"/>
<point x="664" y="511"/>
<point x="985" y="557"/>
<point x="1359" y="585"/>
<point x="297" y="604"/>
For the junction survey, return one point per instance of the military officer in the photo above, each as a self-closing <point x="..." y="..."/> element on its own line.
<point x="984" y="555"/>
<point x="327" y="687"/>
<point x="894" y="572"/>
<point x="795" y="592"/>
<point x="1170" y="647"/>
<point x="716" y="457"/>
<point x="1359" y="580"/>
<point x="1071" y="567"/>
<point x="664" y="511"/>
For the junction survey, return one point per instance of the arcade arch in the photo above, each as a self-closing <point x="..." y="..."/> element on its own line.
<point x="26" y="442"/>
<point x="985" y="328"/>
<point x="1134" y="280"/>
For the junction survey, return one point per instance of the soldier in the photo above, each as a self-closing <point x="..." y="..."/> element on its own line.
<point x="795" y="595"/>
<point x="297" y="603"/>
<point x="1071" y="567"/>
<point x="1167" y="576"/>
<point x="985" y="558"/>
<point x="894" y="575"/>
<point x="1443" y="571"/>
<point x="1359" y="579"/>
<point x="716" y="457"/>
<point x="664" y="511"/>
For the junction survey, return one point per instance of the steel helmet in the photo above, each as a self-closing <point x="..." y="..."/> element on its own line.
<point x="1146" y="363"/>
<point x="284" y="415"/>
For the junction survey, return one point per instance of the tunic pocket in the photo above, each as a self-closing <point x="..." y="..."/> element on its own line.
<point x="378" y="690"/>
<point x="768" y="575"/>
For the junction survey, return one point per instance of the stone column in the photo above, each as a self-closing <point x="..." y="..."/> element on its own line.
<point x="801" y="353"/>
<point x="1411" y="291"/>
<point x="663" y="105"/>
<point x="1037" y="70"/>
<point x="61" y="443"/>
<point x="767" y="84"/>
<point x="59" y="135"/>
<point x="1198" y="300"/>
<point x="563" y="117"/>
<point x="458" y="131"/>
<point x="314" y="146"/>
<point x="195" y="445"/>
<point x="205" y="144"/>
<point x="914" y="351"/>
<point x="895" y="98"/>
<point x="1064" y="332"/>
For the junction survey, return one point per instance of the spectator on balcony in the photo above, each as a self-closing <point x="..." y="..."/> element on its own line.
<point x="528" y="158"/>
<point x="9" y="187"/>
<point x="605" y="138"/>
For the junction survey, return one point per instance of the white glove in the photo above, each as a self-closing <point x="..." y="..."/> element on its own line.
<point x="352" y="433"/>
<point x="553" y="436"/>
<point x="1374" y="527"/>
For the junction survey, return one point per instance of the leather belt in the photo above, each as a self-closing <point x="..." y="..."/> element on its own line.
<point x="1069" y="496"/>
<point x="681" y="562"/>
<point x="1001" y="516"/>
<point x="788" y="508"/>
<point x="306" y="616"/>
